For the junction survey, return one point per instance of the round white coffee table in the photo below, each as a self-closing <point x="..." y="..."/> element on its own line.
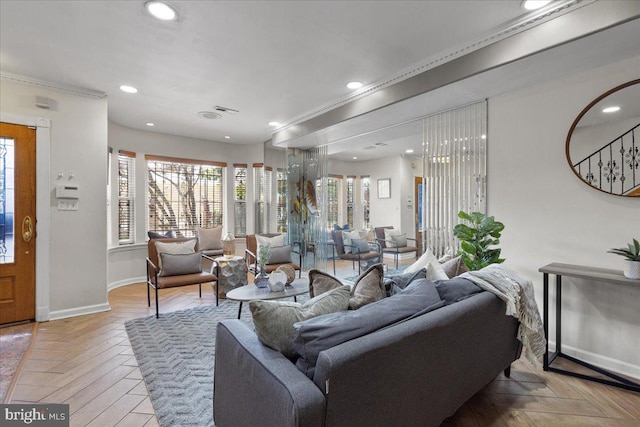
<point x="252" y="292"/>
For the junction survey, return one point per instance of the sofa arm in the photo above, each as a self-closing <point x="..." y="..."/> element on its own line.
<point x="255" y="385"/>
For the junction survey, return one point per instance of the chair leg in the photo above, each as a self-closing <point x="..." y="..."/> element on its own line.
<point x="148" y="295"/>
<point x="200" y="289"/>
<point x="217" y="290"/>
<point x="157" y="311"/>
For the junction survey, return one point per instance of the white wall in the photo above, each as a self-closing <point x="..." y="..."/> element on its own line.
<point x="551" y="216"/>
<point x="77" y="261"/>
<point x="127" y="263"/>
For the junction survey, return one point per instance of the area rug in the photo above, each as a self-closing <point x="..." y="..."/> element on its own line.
<point x="176" y="357"/>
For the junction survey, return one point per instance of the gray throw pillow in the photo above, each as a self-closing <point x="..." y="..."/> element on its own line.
<point x="368" y="288"/>
<point x="454" y="267"/>
<point x="168" y="235"/>
<point x="209" y="238"/>
<point x="360" y="245"/>
<point x="273" y="320"/>
<point x="178" y="264"/>
<point x="457" y="289"/>
<point x="279" y="255"/>
<point x="400" y="241"/>
<point x="321" y="282"/>
<point x="397" y="283"/>
<point x="318" y="334"/>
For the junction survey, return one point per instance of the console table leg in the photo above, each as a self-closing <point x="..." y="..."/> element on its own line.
<point x="558" y="313"/>
<point x="240" y="310"/>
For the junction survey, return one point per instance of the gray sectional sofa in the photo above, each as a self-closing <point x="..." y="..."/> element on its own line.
<point x="413" y="372"/>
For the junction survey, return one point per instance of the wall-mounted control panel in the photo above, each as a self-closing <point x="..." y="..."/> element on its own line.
<point x="67" y="195"/>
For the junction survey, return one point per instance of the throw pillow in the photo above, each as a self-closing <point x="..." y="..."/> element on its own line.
<point x="209" y="238"/>
<point x="168" y="235"/>
<point x="347" y="237"/>
<point x="316" y="335"/>
<point x="397" y="283"/>
<point x="321" y="282"/>
<point x="455" y="290"/>
<point x="388" y="237"/>
<point x="279" y="254"/>
<point x="337" y="227"/>
<point x="360" y="245"/>
<point x="435" y="272"/>
<point x="400" y="241"/>
<point x="454" y="267"/>
<point x="368" y="288"/>
<point x="447" y="257"/>
<point x="178" y="264"/>
<point x="273" y="320"/>
<point x="186" y="247"/>
<point x="275" y="241"/>
<point x="421" y="262"/>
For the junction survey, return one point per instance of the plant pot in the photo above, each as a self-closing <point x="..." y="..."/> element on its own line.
<point x="261" y="280"/>
<point x="631" y="269"/>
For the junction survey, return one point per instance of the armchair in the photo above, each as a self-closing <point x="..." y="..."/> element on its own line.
<point x="251" y="258"/>
<point x="390" y="246"/>
<point x="358" y="254"/>
<point x="178" y="269"/>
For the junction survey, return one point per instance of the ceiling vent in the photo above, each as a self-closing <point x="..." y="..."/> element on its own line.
<point x="211" y="115"/>
<point x="227" y="110"/>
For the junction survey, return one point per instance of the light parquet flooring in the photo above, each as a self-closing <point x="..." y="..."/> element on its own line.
<point x="87" y="362"/>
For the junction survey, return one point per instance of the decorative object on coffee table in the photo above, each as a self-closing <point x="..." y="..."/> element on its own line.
<point x="229" y="245"/>
<point x="262" y="278"/>
<point x="289" y="271"/>
<point x="631" y="268"/>
<point x="277" y="281"/>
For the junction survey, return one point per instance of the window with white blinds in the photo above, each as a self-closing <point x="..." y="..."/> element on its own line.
<point x="333" y="201"/>
<point x="109" y="220"/>
<point x="281" y="208"/>
<point x="184" y="194"/>
<point x="126" y="197"/>
<point x="364" y="182"/>
<point x="262" y="188"/>
<point x="351" y="182"/>
<point x="240" y="200"/>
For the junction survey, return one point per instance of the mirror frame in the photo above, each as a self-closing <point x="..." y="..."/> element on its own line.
<point x="575" y="124"/>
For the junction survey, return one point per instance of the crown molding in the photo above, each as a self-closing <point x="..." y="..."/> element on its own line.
<point x="73" y="90"/>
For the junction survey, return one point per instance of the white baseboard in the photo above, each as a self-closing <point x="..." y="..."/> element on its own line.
<point x="125" y="282"/>
<point x="79" y="311"/>
<point x="608" y="363"/>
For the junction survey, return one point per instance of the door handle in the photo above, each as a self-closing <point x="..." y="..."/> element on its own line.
<point x="27" y="229"/>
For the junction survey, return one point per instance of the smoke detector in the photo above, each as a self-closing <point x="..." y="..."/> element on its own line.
<point x="211" y="115"/>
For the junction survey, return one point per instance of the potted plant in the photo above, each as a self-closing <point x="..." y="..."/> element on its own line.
<point x="631" y="253"/>
<point x="261" y="279"/>
<point x="475" y="239"/>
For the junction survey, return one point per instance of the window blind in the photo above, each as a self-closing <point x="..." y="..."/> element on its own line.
<point x="126" y="197"/>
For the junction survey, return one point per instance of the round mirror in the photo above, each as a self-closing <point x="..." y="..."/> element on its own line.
<point x="603" y="144"/>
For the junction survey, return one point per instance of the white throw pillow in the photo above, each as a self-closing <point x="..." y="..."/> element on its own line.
<point x="209" y="238"/>
<point x="347" y="237"/>
<point x="435" y="271"/>
<point x="279" y="240"/>
<point x="175" y="248"/>
<point x="422" y="262"/>
<point x="388" y="237"/>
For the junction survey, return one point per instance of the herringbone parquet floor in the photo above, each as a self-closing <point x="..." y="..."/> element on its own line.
<point x="88" y="363"/>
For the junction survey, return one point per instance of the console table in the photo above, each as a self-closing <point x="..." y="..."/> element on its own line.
<point x="582" y="272"/>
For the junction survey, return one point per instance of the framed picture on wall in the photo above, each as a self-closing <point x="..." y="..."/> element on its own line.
<point x="384" y="188"/>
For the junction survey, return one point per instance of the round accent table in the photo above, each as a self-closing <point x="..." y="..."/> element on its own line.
<point x="231" y="272"/>
<point x="251" y="292"/>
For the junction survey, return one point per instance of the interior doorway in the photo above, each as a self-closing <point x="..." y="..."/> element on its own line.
<point x="417" y="197"/>
<point x="17" y="223"/>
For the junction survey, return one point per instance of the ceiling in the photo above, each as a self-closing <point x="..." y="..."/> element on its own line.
<point x="270" y="60"/>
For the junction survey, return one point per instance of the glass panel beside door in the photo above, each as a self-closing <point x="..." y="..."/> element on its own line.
<point x="7" y="168"/>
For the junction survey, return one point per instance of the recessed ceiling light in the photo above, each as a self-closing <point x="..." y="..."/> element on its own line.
<point x="355" y="158"/>
<point x="274" y="124"/>
<point x="611" y="109"/>
<point x="409" y="151"/>
<point x="150" y="124"/>
<point x="227" y="137"/>
<point x="354" y="85"/>
<point x="128" y="89"/>
<point x="534" y="4"/>
<point x="484" y="137"/>
<point x="161" y="11"/>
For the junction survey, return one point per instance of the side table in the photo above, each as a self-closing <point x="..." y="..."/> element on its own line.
<point x="231" y="272"/>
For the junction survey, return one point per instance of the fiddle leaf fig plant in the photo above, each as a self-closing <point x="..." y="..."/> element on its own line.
<point x="632" y="252"/>
<point x="476" y="238"/>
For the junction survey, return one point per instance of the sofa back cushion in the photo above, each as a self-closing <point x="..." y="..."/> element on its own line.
<point x="456" y="289"/>
<point x="323" y="332"/>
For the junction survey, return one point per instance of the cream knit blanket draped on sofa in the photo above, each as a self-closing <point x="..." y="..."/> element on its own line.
<point x="519" y="297"/>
